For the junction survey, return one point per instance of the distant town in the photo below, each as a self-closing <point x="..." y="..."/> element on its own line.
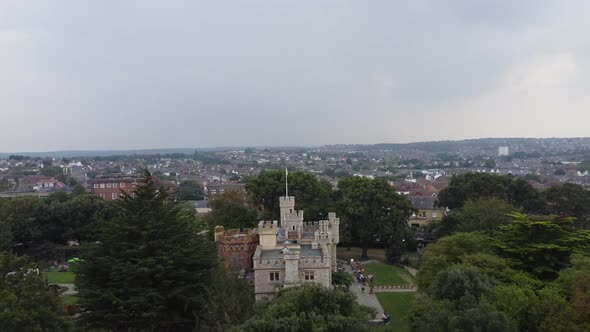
<point x="414" y="169"/>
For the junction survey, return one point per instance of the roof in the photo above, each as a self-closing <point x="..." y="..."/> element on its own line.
<point x="103" y="180"/>
<point x="305" y="251"/>
<point x="423" y="202"/>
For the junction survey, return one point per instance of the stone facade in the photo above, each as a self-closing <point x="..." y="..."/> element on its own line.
<point x="294" y="252"/>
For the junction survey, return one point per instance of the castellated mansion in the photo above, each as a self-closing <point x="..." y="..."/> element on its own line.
<point x="285" y="254"/>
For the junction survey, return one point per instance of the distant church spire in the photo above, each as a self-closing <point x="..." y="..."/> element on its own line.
<point x="286" y="182"/>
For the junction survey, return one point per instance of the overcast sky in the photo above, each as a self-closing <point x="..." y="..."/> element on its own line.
<point x="154" y="74"/>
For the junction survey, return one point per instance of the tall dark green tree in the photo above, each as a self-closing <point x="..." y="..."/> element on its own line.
<point x="150" y="268"/>
<point x="473" y="186"/>
<point x="373" y="212"/>
<point x="190" y="190"/>
<point x="26" y="304"/>
<point x="570" y="200"/>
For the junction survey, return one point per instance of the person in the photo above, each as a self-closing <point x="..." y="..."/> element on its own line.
<point x="385" y="318"/>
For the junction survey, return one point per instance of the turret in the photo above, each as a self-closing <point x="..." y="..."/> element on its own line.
<point x="334" y="227"/>
<point x="267" y="234"/>
<point x="287" y="205"/>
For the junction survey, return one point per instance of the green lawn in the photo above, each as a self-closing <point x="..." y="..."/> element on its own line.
<point x="398" y="306"/>
<point x="69" y="299"/>
<point x="388" y="274"/>
<point x="60" y="277"/>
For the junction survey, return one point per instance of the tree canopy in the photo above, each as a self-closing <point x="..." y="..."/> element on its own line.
<point x="373" y="212"/>
<point x="26" y="304"/>
<point x="312" y="195"/>
<point x="309" y="308"/>
<point x="473" y="186"/>
<point x="570" y="200"/>
<point x="230" y="209"/>
<point x="149" y="269"/>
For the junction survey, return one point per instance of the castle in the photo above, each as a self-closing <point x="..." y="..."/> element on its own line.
<point x="294" y="252"/>
<point x="289" y="253"/>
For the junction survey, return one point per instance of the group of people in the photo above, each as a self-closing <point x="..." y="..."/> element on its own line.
<point x="367" y="280"/>
<point x="361" y="277"/>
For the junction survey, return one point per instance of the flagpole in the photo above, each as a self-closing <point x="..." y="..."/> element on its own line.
<point x="286" y="182"/>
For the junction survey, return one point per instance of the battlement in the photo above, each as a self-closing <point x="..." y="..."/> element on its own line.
<point x="267" y="227"/>
<point x="287" y="201"/>
<point x="296" y="215"/>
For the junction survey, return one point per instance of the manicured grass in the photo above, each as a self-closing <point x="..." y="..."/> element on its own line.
<point x="355" y="253"/>
<point x="398" y="306"/>
<point x="388" y="274"/>
<point x="69" y="299"/>
<point x="60" y="277"/>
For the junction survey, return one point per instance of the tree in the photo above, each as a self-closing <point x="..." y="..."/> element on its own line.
<point x="312" y="195"/>
<point x="76" y="218"/>
<point x="309" y="308"/>
<point x="26" y="304"/>
<point x="190" y="190"/>
<point x="570" y="200"/>
<point x="231" y="300"/>
<point x="464" y="315"/>
<point x="373" y="211"/>
<point x="490" y="163"/>
<point x="150" y="268"/>
<point x="231" y="210"/>
<point x="483" y="215"/>
<point x="456" y="282"/>
<point x="26" y="217"/>
<point x="438" y="256"/>
<point x="51" y="171"/>
<point x="342" y="279"/>
<point x="540" y="247"/>
<point x="474" y="186"/>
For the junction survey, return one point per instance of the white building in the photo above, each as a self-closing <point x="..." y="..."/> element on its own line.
<point x="294" y="252"/>
<point x="503" y="151"/>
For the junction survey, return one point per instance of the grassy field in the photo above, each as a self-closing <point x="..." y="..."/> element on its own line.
<point x="388" y="274"/>
<point x="60" y="277"/>
<point x="69" y="299"/>
<point x="355" y="253"/>
<point x="398" y="306"/>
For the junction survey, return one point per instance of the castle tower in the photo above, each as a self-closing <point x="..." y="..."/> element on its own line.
<point x="267" y="234"/>
<point x="334" y="226"/>
<point x="334" y="229"/>
<point x="291" y="220"/>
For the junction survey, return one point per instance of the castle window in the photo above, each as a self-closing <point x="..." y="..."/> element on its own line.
<point x="293" y="227"/>
<point x="274" y="276"/>
<point x="309" y="275"/>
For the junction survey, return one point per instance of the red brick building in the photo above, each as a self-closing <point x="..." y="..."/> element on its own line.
<point x="236" y="248"/>
<point x="111" y="189"/>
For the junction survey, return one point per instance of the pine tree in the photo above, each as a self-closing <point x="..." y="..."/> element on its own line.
<point x="150" y="269"/>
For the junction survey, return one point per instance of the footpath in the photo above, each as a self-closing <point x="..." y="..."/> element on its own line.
<point x="370" y="300"/>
